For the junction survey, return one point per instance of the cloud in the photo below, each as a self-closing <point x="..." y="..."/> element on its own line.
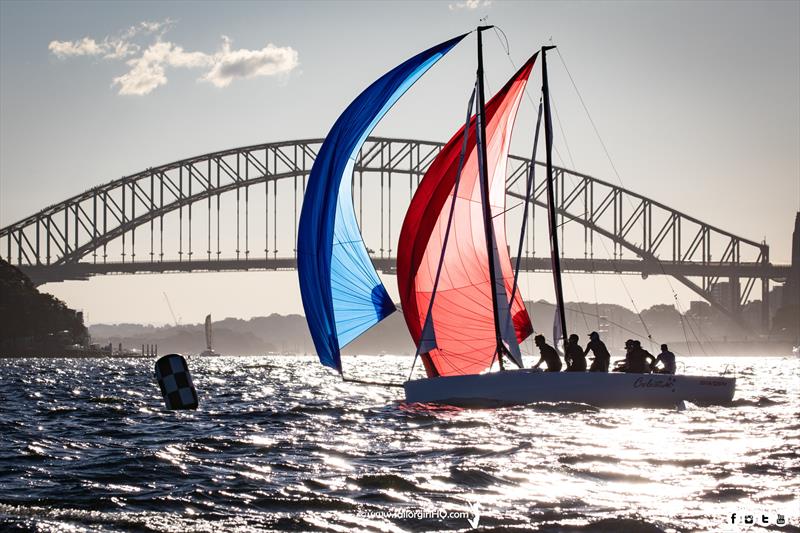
<point x="232" y="64"/>
<point x="147" y="72"/>
<point x="85" y="47"/>
<point x="111" y="46"/>
<point x="469" y="4"/>
<point x="148" y="64"/>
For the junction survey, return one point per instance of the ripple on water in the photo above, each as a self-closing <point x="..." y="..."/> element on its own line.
<point x="279" y="443"/>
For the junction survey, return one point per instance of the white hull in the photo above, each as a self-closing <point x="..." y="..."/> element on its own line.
<point x="209" y="353"/>
<point x="515" y="387"/>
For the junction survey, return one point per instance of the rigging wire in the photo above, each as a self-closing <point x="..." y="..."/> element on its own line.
<point x="464" y="144"/>
<point x="504" y="43"/>
<point x="630" y="298"/>
<point x="611" y="322"/>
<point x="597" y="133"/>
<point x="569" y="153"/>
<point x="529" y="190"/>
<point x="619" y="179"/>
<point x="561" y="127"/>
<point x="586" y="109"/>
<point x="596" y="303"/>
<point x="507" y="49"/>
<point x="578" y="301"/>
<point x="683" y="327"/>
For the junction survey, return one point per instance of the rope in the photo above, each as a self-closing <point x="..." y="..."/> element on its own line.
<point x="529" y="188"/>
<point x="507" y="49"/>
<point x="585" y="108"/>
<point x="464" y="145"/>
<point x="619" y="179"/>
<point x="578" y="298"/>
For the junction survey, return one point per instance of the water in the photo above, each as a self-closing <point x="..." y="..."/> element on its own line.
<point x="278" y="443"/>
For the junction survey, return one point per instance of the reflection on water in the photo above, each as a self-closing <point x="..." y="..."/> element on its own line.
<point x="279" y="443"/>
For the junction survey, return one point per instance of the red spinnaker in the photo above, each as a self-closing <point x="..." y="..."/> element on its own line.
<point x="462" y="309"/>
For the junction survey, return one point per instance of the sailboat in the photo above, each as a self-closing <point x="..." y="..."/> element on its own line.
<point x="458" y="288"/>
<point x="209" y="351"/>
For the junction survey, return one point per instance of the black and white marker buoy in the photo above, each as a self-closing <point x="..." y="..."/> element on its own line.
<point x="175" y="382"/>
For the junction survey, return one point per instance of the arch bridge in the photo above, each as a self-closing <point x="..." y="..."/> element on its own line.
<point x="237" y="209"/>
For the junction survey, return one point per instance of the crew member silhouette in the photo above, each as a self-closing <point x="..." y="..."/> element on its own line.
<point x="601" y="356"/>
<point x="638" y="360"/>
<point x="667" y="359"/>
<point x="574" y="356"/>
<point x="549" y="355"/>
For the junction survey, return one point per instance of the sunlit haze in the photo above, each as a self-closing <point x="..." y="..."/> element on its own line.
<point x="697" y="103"/>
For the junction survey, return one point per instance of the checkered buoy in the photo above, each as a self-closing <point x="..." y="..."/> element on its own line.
<point x="175" y="382"/>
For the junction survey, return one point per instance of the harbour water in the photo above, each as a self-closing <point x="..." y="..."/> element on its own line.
<point x="281" y="444"/>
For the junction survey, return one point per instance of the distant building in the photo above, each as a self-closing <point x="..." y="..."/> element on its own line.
<point x="699" y="308"/>
<point x="722" y="292"/>
<point x="786" y="322"/>
<point x="776" y="298"/>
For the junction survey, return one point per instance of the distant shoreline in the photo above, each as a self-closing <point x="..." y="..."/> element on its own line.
<point x="125" y="357"/>
<point x="79" y="355"/>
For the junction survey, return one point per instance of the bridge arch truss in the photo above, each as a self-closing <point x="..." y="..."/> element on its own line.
<point x="73" y="238"/>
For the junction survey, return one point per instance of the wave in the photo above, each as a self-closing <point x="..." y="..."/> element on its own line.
<point x="291" y="451"/>
<point x="472" y="477"/>
<point x="610" y="525"/>
<point x="762" y="401"/>
<point x="726" y="493"/>
<point x="604" y="475"/>
<point x="107" y="400"/>
<point x="687" y="463"/>
<point x="565" y="408"/>
<point x="587" y="458"/>
<point x="385" y="481"/>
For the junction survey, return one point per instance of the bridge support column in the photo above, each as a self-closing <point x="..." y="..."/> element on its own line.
<point x="765" y="312"/>
<point x="735" y="295"/>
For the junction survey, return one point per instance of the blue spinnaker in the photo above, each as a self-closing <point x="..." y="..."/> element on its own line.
<point x="342" y="294"/>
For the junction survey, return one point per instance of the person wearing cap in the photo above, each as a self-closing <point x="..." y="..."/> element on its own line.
<point x="667" y="359"/>
<point x="549" y="355"/>
<point x="621" y="365"/>
<point x="574" y="355"/>
<point x="601" y="356"/>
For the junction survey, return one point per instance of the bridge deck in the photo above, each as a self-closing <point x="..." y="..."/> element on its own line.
<point x="40" y="274"/>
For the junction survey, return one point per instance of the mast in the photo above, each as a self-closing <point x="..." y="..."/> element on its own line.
<point x="208" y="332"/>
<point x="551" y="209"/>
<point x="484" y="181"/>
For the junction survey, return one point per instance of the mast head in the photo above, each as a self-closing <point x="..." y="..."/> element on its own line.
<point x="484" y="28"/>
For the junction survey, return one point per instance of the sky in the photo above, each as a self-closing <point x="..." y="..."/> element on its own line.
<point x="697" y="103"/>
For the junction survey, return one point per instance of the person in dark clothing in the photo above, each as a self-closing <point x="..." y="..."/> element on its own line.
<point x="574" y="356"/>
<point x="601" y="356"/>
<point x="667" y="359"/>
<point x="549" y="355"/>
<point x="621" y="365"/>
<point x="638" y="360"/>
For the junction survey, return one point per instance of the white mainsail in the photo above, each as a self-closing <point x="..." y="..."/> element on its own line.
<point x="208" y="333"/>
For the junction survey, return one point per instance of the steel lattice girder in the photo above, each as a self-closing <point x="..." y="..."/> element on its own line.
<point x="64" y="233"/>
